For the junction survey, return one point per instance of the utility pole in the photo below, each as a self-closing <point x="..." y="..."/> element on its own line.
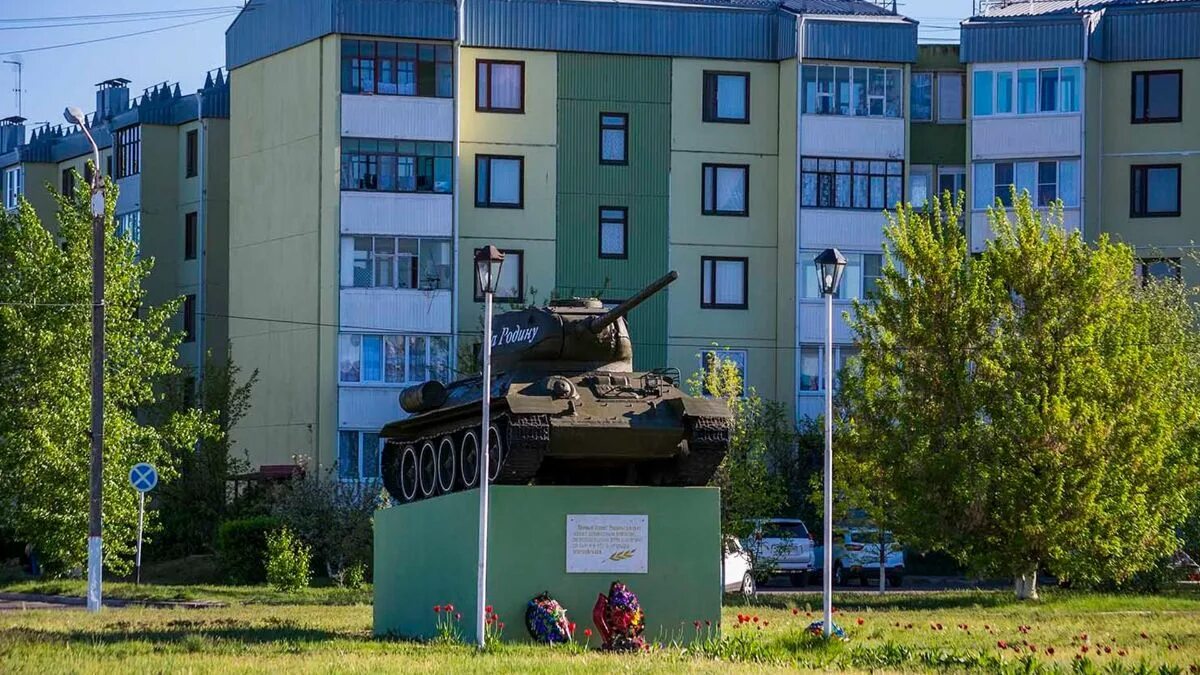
<point x="95" y="547"/>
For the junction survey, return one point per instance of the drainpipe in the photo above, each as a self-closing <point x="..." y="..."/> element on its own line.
<point x="201" y="242"/>
<point x="456" y="291"/>
<point x="795" y="347"/>
<point x="1083" y="115"/>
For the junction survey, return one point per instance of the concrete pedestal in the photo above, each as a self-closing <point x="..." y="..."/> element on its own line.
<point x="425" y="555"/>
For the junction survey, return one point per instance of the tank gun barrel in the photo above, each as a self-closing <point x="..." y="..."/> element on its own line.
<point x="601" y="322"/>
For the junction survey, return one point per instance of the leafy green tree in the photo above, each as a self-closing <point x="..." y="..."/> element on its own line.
<point x="1032" y="407"/>
<point x="45" y="397"/>
<point x="192" y="506"/>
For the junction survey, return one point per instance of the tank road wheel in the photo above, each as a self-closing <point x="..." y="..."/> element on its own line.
<point x="468" y="460"/>
<point x="495" y="454"/>
<point x="408" y="474"/>
<point x="428" y="469"/>
<point x="446" y="465"/>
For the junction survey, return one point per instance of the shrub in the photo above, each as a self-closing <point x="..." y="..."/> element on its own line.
<point x="242" y="547"/>
<point x="287" y="561"/>
<point x="356" y="575"/>
<point x="334" y="517"/>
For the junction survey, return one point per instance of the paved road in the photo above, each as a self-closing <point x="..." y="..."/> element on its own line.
<point x="22" y="605"/>
<point x="912" y="584"/>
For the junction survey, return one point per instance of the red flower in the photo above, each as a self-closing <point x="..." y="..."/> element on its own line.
<point x="449" y="608"/>
<point x="1121" y="652"/>
<point x="437" y="609"/>
<point x="587" y="632"/>
<point x="795" y="611"/>
<point x="1083" y="648"/>
<point x="860" y="621"/>
<point x="1107" y="649"/>
<point x="488" y="609"/>
<point x="696" y="623"/>
<point x="756" y="619"/>
<point x="766" y="623"/>
<point x="707" y="622"/>
<point x="1050" y="651"/>
<point x="1145" y="637"/>
<point x="500" y="625"/>
<point x="939" y="626"/>
<point x="986" y="627"/>
<point x="571" y="626"/>
<point x="458" y="616"/>
<point x="1001" y="644"/>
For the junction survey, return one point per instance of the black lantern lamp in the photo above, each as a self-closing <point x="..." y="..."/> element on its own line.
<point x="830" y="265"/>
<point x="488" y="261"/>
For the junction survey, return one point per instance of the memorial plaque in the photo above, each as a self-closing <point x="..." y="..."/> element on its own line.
<point x="603" y="543"/>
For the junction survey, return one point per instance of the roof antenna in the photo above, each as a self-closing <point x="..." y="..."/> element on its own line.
<point x="16" y="61"/>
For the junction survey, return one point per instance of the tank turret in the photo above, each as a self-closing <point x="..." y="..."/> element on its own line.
<point x="567" y="409"/>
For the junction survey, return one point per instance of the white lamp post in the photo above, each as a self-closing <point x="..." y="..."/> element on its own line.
<point x="830" y="265"/>
<point x="488" y="261"/>
<point x="74" y="115"/>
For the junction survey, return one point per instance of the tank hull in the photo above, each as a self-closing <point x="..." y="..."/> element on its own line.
<point x="614" y="429"/>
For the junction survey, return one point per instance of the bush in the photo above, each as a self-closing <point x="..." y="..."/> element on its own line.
<point x="287" y="561"/>
<point x="334" y="517"/>
<point x="242" y="548"/>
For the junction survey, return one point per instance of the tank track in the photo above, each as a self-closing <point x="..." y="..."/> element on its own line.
<point x="410" y="476"/>
<point x="708" y="441"/>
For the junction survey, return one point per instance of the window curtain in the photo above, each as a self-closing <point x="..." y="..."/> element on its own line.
<point x="985" y="186"/>
<point x="372" y="358"/>
<point x="506" y="85"/>
<point x="506" y="181"/>
<point x="731" y="189"/>
<point x="730" y="288"/>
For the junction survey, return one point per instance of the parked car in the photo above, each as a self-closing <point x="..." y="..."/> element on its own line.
<point x="1187" y="568"/>
<point x="856" y="556"/>
<point x="736" y="569"/>
<point x="784" y="546"/>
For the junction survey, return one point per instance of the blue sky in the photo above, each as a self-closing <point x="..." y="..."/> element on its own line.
<point x="61" y="76"/>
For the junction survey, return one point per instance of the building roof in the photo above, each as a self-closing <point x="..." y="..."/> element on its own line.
<point x="1015" y="8"/>
<point x="757" y="30"/>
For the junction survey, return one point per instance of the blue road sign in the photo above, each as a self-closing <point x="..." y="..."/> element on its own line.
<point x="143" y="477"/>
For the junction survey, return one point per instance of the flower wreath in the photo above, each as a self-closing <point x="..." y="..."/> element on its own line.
<point x="547" y="620"/>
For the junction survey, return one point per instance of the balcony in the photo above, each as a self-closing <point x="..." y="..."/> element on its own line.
<point x="409" y="117"/>
<point x="413" y="214"/>
<point x="850" y="229"/>
<point x="1026" y="136"/>
<point x="981" y="228"/>
<point x="810" y="315"/>
<point x="842" y="136"/>
<point x="395" y="310"/>
<point x="368" y="407"/>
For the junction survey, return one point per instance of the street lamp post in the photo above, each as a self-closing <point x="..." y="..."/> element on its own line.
<point x="830" y="265"/>
<point x="74" y="115"/>
<point x="488" y="261"/>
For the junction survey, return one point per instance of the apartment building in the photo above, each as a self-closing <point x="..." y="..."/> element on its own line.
<point x="938" y="131"/>
<point x="167" y="152"/>
<point x="598" y="144"/>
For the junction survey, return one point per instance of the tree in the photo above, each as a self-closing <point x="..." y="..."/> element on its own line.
<point x="45" y="345"/>
<point x="1030" y="407"/>
<point x="334" y="517"/>
<point x="192" y="506"/>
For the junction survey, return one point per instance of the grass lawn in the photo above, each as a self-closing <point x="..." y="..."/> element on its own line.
<point x="266" y="631"/>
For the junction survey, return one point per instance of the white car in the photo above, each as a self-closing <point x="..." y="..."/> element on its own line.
<point x="856" y="556"/>
<point x="736" y="569"/>
<point x="784" y="545"/>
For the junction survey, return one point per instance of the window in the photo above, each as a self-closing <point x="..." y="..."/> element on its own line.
<point x="724" y="282"/>
<point x="1045" y="181"/>
<point x="614" y="232"/>
<point x="14" y="179"/>
<point x="378" y="359"/>
<point x="921" y="97"/>
<point x="920" y="185"/>
<point x="397" y="68"/>
<point x="950" y="97"/>
<point x="726" y="97"/>
<point x="860" y="92"/>
<point x="724" y="190"/>
<point x="193" y="153"/>
<point x="397" y="166"/>
<point x="68" y="181"/>
<point x="499" y="182"/>
<point x="1154" y="191"/>
<point x="511" y="286"/>
<point x="1157" y="96"/>
<point x="841" y="183"/>
<point x="189" y="318"/>
<point x="735" y="356"/>
<point x="189" y="236"/>
<point x="358" y="455"/>
<point x="1158" y="269"/>
<point x="952" y="179"/>
<point x="129" y="226"/>
<point x="859" y="278"/>
<point x="396" y="262"/>
<point x="1038" y="90"/>
<point x="127" y="147"/>
<point x="812" y="366"/>
<point x="614" y="131"/>
<point x="500" y="86"/>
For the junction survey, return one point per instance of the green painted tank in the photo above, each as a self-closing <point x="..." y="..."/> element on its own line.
<point x="567" y="409"/>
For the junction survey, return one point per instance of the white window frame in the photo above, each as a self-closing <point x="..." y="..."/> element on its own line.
<point x="962" y="97"/>
<point x="740" y="357"/>
<point x="921" y="171"/>
<point x="1015" y="89"/>
<point x="431" y="369"/>
<point x="349" y="250"/>
<point x="14" y="186"/>
<point x="359" y="439"/>
<point x="832" y="93"/>
<point x="841" y="352"/>
<point x="1018" y="164"/>
<point x="960" y="171"/>
<point x="932" y="76"/>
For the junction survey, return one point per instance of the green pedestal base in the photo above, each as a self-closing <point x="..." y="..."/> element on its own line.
<point x="426" y="555"/>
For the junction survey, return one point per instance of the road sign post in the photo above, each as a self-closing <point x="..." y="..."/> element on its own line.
<point x="143" y="477"/>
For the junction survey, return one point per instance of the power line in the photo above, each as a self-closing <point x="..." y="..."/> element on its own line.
<point x="116" y="37"/>
<point x="156" y="13"/>
<point x="223" y="12"/>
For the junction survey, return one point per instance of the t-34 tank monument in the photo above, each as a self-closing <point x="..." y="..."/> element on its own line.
<point x="597" y="473"/>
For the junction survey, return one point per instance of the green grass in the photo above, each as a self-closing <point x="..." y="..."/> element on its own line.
<point x="317" y="595"/>
<point x="253" y="635"/>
